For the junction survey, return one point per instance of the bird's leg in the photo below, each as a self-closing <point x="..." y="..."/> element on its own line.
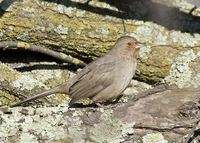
<point x="197" y="102"/>
<point x="105" y="107"/>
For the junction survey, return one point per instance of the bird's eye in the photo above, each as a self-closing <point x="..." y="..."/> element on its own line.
<point x="128" y="44"/>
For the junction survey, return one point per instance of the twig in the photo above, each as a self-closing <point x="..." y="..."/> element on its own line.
<point x="25" y="46"/>
<point x="192" y="130"/>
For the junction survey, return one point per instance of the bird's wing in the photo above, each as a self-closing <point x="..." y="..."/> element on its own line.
<point x="94" y="81"/>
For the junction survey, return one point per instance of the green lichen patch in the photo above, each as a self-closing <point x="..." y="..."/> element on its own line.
<point x="182" y="70"/>
<point x="152" y="66"/>
<point x="6" y="98"/>
<point x="29" y="83"/>
<point x="154" y="138"/>
<point x="21" y="22"/>
<point x="7" y="75"/>
<point x="156" y="35"/>
<point x="161" y="56"/>
<point x="33" y="127"/>
<point x="110" y="129"/>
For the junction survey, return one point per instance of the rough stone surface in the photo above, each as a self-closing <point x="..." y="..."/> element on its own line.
<point x="163" y="116"/>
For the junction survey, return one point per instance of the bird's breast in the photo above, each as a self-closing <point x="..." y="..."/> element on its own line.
<point x="125" y="73"/>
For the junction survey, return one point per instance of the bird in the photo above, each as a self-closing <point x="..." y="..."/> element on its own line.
<point x="104" y="79"/>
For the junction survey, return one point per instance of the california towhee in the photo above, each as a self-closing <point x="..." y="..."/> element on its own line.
<point x="104" y="78"/>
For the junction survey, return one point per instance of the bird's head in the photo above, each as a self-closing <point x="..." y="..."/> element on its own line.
<point x="127" y="46"/>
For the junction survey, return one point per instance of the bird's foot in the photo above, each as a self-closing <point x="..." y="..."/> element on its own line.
<point x="105" y="107"/>
<point x="197" y="102"/>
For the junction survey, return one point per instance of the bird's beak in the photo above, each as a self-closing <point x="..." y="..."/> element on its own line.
<point x="139" y="45"/>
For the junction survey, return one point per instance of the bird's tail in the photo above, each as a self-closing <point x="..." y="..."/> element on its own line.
<point x="39" y="95"/>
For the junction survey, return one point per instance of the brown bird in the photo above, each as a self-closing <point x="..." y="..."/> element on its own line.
<point x="103" y="79"/>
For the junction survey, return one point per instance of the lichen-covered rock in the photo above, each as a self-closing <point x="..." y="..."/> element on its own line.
<point x="63" y="125"/>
